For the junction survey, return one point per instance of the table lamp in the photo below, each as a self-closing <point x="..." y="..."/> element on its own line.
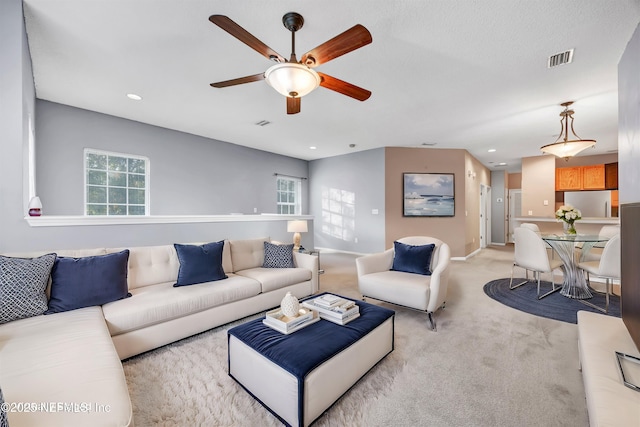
<point x="297" y="227"/>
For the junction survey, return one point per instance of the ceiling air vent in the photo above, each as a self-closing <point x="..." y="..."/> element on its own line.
<point x="560" y="59"/>
<point x="263" y="123"/>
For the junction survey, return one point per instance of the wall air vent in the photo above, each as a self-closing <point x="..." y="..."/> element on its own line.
<point x="560" y="59"/>
<point x="263" y="123"/>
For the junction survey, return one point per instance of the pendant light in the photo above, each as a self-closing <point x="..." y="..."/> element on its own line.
<point x="567" y="145"/>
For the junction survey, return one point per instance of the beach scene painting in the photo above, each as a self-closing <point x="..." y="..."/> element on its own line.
<point x="428" y="194"/>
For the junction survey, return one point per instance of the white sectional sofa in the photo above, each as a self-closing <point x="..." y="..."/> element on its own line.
<point x="609" y="402"/>
<point x="72" y="359"/>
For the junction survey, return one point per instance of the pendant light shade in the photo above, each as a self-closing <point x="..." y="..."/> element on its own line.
<point x="292" y="79"/>
<point x="564" y="146"/>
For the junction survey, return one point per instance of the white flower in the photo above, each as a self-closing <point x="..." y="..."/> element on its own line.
<point x="568" y="214"/>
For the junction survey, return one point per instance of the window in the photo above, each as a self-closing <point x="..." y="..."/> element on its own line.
<point x="115" y="184"/>
<point x="288" y="191"/>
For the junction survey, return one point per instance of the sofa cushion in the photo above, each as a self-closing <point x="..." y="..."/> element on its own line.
<point x="83" y="282"/>
<point x="412" y="259"/>
<point x="159" y="303"/>
<point x="411" y="290"/>
<point x="64" y="357"/>
<point x="271" y="278"/>
<point x="199" y="263"/>
<point x="278" y="256"/>
<point x="150" y="265"/>
<point x="22" y="286"/>
<point x="248" y="253"/>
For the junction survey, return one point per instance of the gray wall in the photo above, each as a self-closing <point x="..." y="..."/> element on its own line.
<point x="16" y="105"/>
<point x="360" y="176"/>
<point x="498" y="209"/>
<point x="190" y="175"/>
<point x="629" y="121"/>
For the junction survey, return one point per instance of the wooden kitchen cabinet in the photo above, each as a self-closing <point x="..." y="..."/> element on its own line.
<point x="568" y="179"/>
<point x="593" y="177"/>
<point x="611" y="176"/>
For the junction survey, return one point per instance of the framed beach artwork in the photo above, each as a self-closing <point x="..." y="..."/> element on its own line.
<point x="428" y="194"/>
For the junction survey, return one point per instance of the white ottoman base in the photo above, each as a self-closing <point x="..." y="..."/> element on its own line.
<point x="277" y="389"/>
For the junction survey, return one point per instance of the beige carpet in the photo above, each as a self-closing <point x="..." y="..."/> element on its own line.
<point x="488" y="365"/>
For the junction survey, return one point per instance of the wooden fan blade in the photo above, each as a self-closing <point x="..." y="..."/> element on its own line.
<point x="239" y="81"/>
<point x="245" y="37"/>
<point x="293" y="105"/>
<point x="352" y="39"/>
<point x="343" y="87"/>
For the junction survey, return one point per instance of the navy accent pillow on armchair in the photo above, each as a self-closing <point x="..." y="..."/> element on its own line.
<point x="199" y="264"/>
<point x="87" y="281"/>
<point x="412" y="259"/>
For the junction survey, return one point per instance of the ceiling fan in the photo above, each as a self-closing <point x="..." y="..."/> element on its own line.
<point x="294" y="78"/>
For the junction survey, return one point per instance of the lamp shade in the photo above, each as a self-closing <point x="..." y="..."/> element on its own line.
<point x="568" y="148"/>
<point x="292" y="79"/>
<point x="297" y="226"/>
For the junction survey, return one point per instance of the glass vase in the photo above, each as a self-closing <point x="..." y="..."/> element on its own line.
<point x="569" y="228"/>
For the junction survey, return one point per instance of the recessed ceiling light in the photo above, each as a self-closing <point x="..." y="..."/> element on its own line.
<point x="491" y="150"/>
<point x="134" y="97"/>
<point x="312" y="148"/>
<point x="502" y="164"/>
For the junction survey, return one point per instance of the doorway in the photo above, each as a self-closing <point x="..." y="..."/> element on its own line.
<point x="485" y="215"/>
<point x="515" y="210"/>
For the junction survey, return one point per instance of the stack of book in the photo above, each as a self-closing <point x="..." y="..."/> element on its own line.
<point x="275" y="319"/>
<point x="333" y="308"/>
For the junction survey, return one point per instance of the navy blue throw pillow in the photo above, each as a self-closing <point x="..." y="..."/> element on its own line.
<point x="412" y="259"/>
<point x="199" y="264"/>
<point x="88" y="281"/>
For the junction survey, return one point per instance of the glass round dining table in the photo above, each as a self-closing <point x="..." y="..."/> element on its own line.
<point x="575" y="283"/>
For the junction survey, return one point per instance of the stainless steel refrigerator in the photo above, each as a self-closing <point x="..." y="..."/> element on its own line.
<point x="590" y="203"/>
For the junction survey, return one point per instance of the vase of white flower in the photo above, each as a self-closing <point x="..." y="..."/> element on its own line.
<point x="568" y="215"/>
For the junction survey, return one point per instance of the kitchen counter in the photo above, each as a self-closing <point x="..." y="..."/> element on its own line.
<point x="588" y="225"/>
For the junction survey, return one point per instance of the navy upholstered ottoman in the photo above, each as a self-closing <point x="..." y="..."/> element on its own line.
<point x="298" y="376"/>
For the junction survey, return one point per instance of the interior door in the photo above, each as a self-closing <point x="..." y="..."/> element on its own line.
<point x="485" y="215"/>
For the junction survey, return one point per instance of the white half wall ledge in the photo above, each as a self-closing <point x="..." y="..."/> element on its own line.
<point x="80" y="220"/>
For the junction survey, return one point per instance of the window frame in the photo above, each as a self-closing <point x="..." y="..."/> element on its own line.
<point x="297" y="192"/>
<point x="146" y="187"/>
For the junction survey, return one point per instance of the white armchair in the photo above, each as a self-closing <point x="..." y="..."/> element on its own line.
<point x="421" y="292"/>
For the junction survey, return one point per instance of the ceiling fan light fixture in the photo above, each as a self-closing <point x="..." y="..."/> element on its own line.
<point x="565" y="147"/>
<point x="292" y="79"/>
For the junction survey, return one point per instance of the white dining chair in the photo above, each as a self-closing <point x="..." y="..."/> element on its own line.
<point x="536" y="229"/>
<point x="595" y="252"/>
<point x="608" y="267"/>
<point x="531" y="254"/>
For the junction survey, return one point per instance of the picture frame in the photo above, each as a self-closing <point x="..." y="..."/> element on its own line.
<point x="428" y="195"/>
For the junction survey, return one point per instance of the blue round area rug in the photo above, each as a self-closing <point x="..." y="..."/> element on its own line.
<point x="554" y="306"/>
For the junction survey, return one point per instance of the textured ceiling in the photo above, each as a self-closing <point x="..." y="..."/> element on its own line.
<point x="457" y="74"/>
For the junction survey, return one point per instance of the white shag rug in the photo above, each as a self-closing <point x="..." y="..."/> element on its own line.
<point x="488" y="365"/>
<point x="187" y="384"/>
